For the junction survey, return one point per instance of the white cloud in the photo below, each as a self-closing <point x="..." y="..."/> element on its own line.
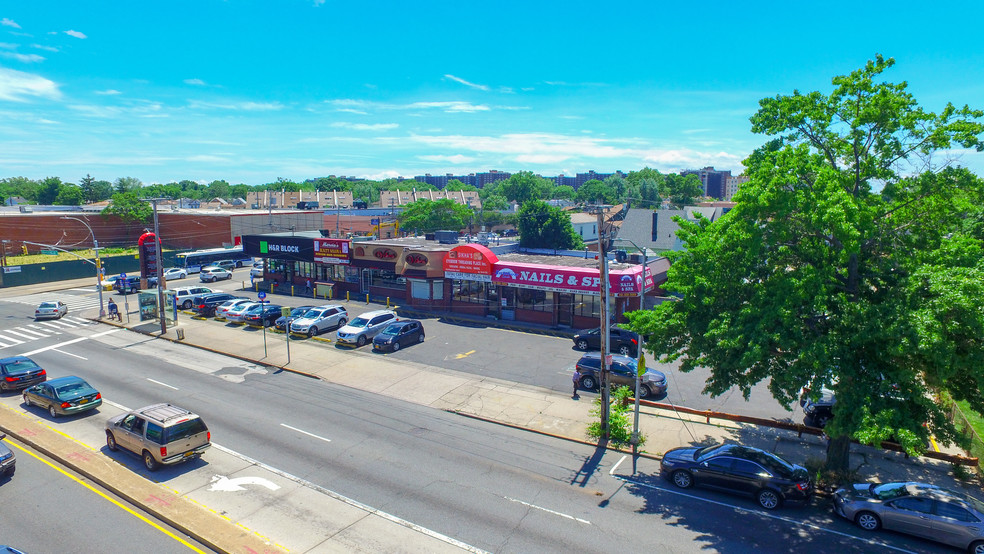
<point x="9" y="23"/>
<point x="542" y="158"/>
<point x="196" y="82"/>
<point x="8" y="45"/>
<point x="351" y="110"/>
<point x="238" y="106"/>
<point x="43" y="47"/>
<point x="108" y="92"/>
<point x="18" y="86"/>
<point x="451" y="107"/>
<point x="466" y="83"/>
<point x="75" y="34"/>
<point x="455" y="159"/>
<point x="26" y="58"/>
<point x="365" y="126"/>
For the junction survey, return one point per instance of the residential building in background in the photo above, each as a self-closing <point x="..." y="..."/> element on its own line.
<point x="734" y="182"/>
<point x="715" y="182"/>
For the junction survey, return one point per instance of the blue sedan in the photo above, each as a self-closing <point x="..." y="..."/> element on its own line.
<point x="63" y="396"/>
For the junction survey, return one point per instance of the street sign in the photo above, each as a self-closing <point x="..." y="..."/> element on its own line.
<point x="50" y="252"/>
<point x="642" y="365"/>
<point x="261" y="295"/>
<point x="608" y="359"/>
<point x="123" y="276"/>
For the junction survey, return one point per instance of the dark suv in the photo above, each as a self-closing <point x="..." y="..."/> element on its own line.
<point x="205" y="304"/>
<point x="622" y="341"/>
<point x="132" y="284"/>
<point x="20" y="372"/>
<point x="623" y="371"/>
<point x="818" y="410"/>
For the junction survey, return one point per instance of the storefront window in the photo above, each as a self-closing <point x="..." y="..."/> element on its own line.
<point x="352" y="274"/>
<point x="587" y="305"/>
<point x="536" y="300"/>
<point x="387" y="279"/>
<point x="468" y="291"/>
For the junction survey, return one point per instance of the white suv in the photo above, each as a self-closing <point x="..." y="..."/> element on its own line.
<point x="363" y="328"/>
<point x="183" y="295"/>
<point x="319" y="319"/>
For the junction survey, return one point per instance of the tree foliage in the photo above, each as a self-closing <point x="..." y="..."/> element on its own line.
<point x="127" y="184"/>
<point x="596" y="192"/>
<point x="129" y="207"/>
<point x="818" y="279"/>
<point x="521" y="187"/>
<point x="48" y="190"/>
<point x="69" y="195"/>
<point x="426" y="216"/>
<point x="544" y="226"/>
<point x="682" y="190"/>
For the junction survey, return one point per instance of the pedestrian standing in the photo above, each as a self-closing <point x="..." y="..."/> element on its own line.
<point x="309" y="286"/>
<point x="114" y="311"/>
<point x="577" y="383"/>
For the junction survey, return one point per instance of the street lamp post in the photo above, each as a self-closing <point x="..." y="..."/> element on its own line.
<point x="642" y="300"/>
<point x="95" y="246"/>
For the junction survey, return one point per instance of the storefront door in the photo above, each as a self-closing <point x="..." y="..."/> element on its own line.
<point x="507" y="302"/>
<point x="366" y="280"/>
<point x="565" y="309"/>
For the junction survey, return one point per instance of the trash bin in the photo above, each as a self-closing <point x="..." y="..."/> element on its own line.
<point x="181" y="334"/>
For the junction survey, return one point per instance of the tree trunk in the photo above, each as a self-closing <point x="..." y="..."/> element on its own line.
<point x="839" y="454"/>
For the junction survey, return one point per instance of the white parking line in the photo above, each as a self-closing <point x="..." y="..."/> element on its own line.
<point x="618" y="463"/>
<point x="813" y="526"/>
<point x="549" y="511"/>
<point x="304" y="432"/>
<point x="162" y="384"/>
<point x="90" y="289"/>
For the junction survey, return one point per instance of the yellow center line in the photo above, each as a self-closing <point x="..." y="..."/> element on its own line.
<point x="114" y="501"/>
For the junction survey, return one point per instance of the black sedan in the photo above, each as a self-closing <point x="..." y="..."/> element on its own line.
<point x="8" y="462"/>
<point x="738" y="469"/>
<point x="20" y="372"/>
<point x="622" y="341"/>
<point x="263" y="317"/>
<point x="63" y="396"/>
<point x="397" y="335"/>
<point x="281" y="322"/>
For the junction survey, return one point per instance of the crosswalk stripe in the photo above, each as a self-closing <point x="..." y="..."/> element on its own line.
<point x="42" y="329"/>
<point x="60" y="323"/>
<point x="30" y="332"/>
<point x="53" y="330"/>
<point x="8" y="339"/>
<point x="79" y="320"/>
<point x="15" y="333"/>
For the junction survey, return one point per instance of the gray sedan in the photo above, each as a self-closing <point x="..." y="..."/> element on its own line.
<point x="63" y="396"/>
<point x="919" y="509"/>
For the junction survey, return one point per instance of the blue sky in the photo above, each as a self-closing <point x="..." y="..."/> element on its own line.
<point x="250" y="91"/>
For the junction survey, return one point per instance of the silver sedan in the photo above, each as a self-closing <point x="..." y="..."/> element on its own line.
<point x="51" y="310"/>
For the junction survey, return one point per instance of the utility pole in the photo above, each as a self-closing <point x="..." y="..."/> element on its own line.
<point x="639" y="359"/>
<point x="605" y="327"/>
<point x="160" y="267"/>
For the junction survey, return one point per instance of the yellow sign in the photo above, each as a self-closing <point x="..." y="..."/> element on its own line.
<point x="642" y="364"/>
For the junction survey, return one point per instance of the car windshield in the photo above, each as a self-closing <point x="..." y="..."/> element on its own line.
<point x="48" y="305"/>
<point x="72" y="387"/>
<point x="185" y="429"/>
<point x="889" y="491"/>
<point x="709" y="451"/>
<point x="392" y="330"/>
<point x="21" y="365"/>
<point x="299" y="311"/>
<point x="313" y="314"/>
<point x="359" y="322"/>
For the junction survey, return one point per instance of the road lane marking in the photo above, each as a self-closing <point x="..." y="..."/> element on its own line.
<point x="68" y="354"/>
<point x="614" y="467"/>
<point x="8" y="339"/>
<point x="465" y="355"/>
<point x="162" y="384"/>
<point x="63" y="324"/>
<point x="813" y="526"/>
<point x="549" y="511"/>
<point x="21" y="335"/>
<point x="221" y="483"/>
<point x="41" y="335"/>
<point x="51" y="328"/>
<point x="41" y="329"/>
<point x="85" y="290"/>
<point x="107" y="497"/>
<point x="305" y="432"/>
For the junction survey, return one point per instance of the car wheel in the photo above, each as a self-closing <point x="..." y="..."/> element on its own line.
<point x="683" y="479"/>
<point x="186" y="305"/>
<point x="52" y="412"/>
<point x="644" y="391"/>
<point x="977" y="547"/>
<point x="768" y="499"/>
<point x="27" y="401"/>
<point x="396" y="346"/>
<point x="582" y="344"/>
<point x="111" y="442"/>
<point x="149" y="462"/>
<point x="342" y="322"/>
<point x="421" y="337"/>
<point x="867" y="521"/>
<point x="312" y="331"/>
<point x="625" y="350"/>
<point x="361" y="341"/>
<point x="821" y="421"/>
<point x="588" y="382"/>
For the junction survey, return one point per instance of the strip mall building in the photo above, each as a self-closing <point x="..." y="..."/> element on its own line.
<point x="497" y="282"/>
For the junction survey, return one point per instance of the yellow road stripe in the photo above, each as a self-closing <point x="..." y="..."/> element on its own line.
<point x="932" y="440"/>
<point x="104" y="495"/>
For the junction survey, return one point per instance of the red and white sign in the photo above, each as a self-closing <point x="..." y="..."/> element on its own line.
<point x="470" y="262"/>
<point x="331" y="251"/>
<point x="581" y="280"/>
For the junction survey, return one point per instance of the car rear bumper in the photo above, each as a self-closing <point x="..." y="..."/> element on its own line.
<point x="23" y="384"/>
<point x="184" y="456"/>
<point x="81" y="407"/>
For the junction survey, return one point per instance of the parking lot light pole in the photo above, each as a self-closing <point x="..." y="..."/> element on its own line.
<point x="639" y="359"/>
<point x="95" y="246"/>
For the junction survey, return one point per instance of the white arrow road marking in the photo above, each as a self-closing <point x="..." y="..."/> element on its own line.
<point x="221" y="483"/>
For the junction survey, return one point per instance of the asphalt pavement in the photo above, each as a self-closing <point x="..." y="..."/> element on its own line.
<point x="522" y="406"/>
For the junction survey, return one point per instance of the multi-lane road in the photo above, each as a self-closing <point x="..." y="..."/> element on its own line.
<point x="300" y="447"/>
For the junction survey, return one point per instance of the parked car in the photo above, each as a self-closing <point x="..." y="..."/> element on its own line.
<point x="281" y="322"/>
<point x="739" y="469"/>
<point x="132" y="284"/>
<point x="264" y="316"/>
<point x="220" y="310"/>
<point x="622" y="341"/>
<point x="256" y="271"/>
<point x="818" y="410"/>
<point x="362" y="329"/>
<point x="399" y="334"/>
<point x="63" y="396"/>
<point x="919" y="509"/>
<point x="174" y="273"/>
<point x="228" y="264"/>
<point x="8" y="461"/>
<point x="237" y="313"/>
<point x="49" y="310"/>
<point x="319" y="319"/>
<point x="623" y="371"/>
<point x="510" y="233"/>
<point x="160" y="434"/>
<point x="213" y="274"/>
<point x="109" y="283"/>
<point x="19" y="372"/>
<point x="184" y="296"/>
<point x="206" y="304"/>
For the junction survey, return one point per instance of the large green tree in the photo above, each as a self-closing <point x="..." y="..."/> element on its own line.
<point x="127" y="184"/>
<point x="48" y="191"/>
<point x="544" y="226"/>
<point x="682" y="190"/>
<point x="847" y="263"/>
<point x="426" y="216"/>
<point x="69" y="195"/>
<point x="596" y="192"/>
<point x="522" y="186"/>
<point x="129" y="207"/>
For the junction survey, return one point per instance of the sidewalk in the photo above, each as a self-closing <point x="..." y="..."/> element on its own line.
<point x="522" y="406"/>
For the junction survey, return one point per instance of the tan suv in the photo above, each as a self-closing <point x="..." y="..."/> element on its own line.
<point x="160" y="434"/>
